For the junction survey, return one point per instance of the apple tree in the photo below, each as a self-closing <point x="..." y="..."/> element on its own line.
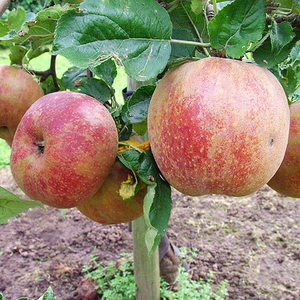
<point x="146" y="38"/>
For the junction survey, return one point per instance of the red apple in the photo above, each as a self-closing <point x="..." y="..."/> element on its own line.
<point x="218" y="126"/>
<point x="64" y="147"/>
<point x="107" y="206"/>
<point x="286" y="180"/>
<point x="17" y="92"/>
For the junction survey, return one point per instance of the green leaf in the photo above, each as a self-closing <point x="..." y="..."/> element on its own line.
<point x="130" y="159"/>
<point x="35" y="51"/>
<point x="76" y="79"/>
<point x="290" y="80"/>
<point x="295" y="54"/>
<point x="136" y="33"/>
<point x="135" y="109"/>
<point x="296" y="4"/>
<point x="293" y="78"/>
<point x="265" y="57"/>
<point x="236" y="25"/>
<point x="182" y="50"/>
<point x="183" y="18"/>
<point x="52" y="12"/>
<point x="16" y="19"/>
<point x="107" y="71"/>
<point x="17" y="54"/>
<point x="96" y="88"/>
<point x="11" y="205"/>
<point x="49" y="86"/>
<point x="4" y="30"/>
<point x="295" y="96"/>
<point x="157" y="206"/>
<point x="285" y="3"/>
<point x="197" y="7"/>
<point x="223" y="3"/>
<point x="40" y="32"/>
<point x="48" y="295"/>
<point x="72" y="77"/>
<point x="157" y="202"/>
<point x="281" y="34"/>
<point x="141" y="127"/>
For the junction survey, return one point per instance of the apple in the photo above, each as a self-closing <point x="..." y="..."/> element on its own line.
<point x="286" y="180"/>
<point x="64" y="147"/>
<point x="107" y="206"/>
<point x="18" y="91"/>
<point x="218" y="126"/>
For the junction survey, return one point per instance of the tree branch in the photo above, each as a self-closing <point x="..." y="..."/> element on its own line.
<point x="50" y="72"/>
<point x="294" y="19"/>
<point x="3" y="6"/>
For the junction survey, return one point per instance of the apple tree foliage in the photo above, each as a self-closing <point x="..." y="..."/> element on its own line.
<point x="147" y="38"/>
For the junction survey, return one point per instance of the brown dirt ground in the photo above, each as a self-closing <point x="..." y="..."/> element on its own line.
<point x="253" y="242"/>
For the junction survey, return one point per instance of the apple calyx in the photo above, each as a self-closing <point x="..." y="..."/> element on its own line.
<point x="40" y="146"/>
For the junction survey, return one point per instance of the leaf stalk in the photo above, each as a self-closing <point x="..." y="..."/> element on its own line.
<point x="193" y="43"/>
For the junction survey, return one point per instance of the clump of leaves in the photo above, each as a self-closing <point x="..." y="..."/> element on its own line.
<point x="48" y="295"/>
<point x="193" y="289"/>
<point x="115" y="280"/>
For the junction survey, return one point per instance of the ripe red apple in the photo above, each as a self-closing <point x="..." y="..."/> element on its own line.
<point x="64" y="147"/>
<point x="17" y="92"/>
<point x="107" y="206"/>
<point x="218" y="126"/>
<point x="286" y="180"/>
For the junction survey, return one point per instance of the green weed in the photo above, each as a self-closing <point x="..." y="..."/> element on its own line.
<point x="116" y="281"/>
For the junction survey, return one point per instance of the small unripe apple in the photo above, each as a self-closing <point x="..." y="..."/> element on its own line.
<point x="64" y="147"/>
<point x="286" y="180"/>
<point x="18" y="91"/>
<point x="107" y="206"/>
<point x="218" y="126"/>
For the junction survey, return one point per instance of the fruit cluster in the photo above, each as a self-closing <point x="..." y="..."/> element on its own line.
<point x="216" y="126"/>
<point x="64" y="149"/>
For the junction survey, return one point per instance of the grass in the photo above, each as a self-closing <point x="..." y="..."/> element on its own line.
<point x="4" y="154"/>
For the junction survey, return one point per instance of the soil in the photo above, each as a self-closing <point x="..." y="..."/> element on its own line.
<point x="252" y="242"/>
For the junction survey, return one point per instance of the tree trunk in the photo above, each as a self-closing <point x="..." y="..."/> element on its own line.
<point x="146" y="268"/>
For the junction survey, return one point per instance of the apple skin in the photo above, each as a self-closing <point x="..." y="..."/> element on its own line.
<point x="286" y="180"/>
<point x="64" y="147"/>
<point x="107" y="206"/>
<point x="218" y="126"/>
<point x="18" y="91"/>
